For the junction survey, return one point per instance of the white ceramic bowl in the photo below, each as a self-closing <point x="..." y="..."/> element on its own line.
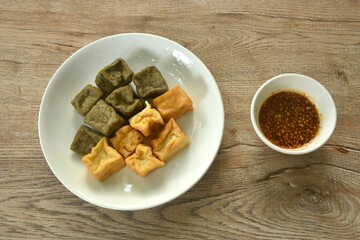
<point x="314" y="91"/>
<point x="125" y="190"/>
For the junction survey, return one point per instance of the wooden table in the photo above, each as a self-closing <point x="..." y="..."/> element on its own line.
<point x="250" y="191"/>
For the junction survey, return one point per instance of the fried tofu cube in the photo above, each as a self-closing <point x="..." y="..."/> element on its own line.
<point x="103" y="161"/>
<point x="126" y="139"/>
<point x="114" y="75"/>
<point x="86" y="99"/>
<point x="104" y="118"/>
<point x="147" y="121"/>
<point x="150" y="83"/>
<point x="84" y="140"/>
<point x="173" y="103"/>
<point x="143" y="161"/>
<point x="125" y="101"/>
<point x="169" y="141"/>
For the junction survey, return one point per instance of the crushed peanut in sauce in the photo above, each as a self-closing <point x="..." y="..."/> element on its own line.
<point x="289" y="119"/>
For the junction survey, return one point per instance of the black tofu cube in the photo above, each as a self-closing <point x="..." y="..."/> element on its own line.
<point x="104" y="118"/>
<point x="150" y="83"/>
<point x="115" y="75"/>
<point x="86" y="99"/>
<point x="125" y="101"/>
<point x="85" y="139"/>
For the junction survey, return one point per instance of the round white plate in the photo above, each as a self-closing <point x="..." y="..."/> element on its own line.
<point x="58" y="122"/>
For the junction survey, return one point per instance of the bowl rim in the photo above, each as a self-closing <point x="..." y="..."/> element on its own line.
<point x="303" y="149"/>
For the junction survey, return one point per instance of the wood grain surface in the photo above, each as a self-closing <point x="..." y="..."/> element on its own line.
<point x="250" y="191"/>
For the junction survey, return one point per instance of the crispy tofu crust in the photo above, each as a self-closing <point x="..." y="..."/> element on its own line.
<point x="169" y="141"/>
<point x="142" y="162"/>
<point x="126" y="139"/>
<point x="103" y="161"/>
<point x="147" y="121"/>
<point x="173" y="103"/>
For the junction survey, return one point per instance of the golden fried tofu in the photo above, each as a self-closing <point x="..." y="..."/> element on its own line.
<point x="170" y="141"/>
<point x="173" y="103"/>
<point x="146" y="121"/>
<point x="143" y="161"/>
<point x="126" y="139"/>
<point x="103" y="161"/>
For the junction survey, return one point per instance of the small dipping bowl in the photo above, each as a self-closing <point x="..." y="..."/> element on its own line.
<point x="314" y="91"/>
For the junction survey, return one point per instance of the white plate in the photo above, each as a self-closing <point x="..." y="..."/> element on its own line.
<point x="58" y="122"/>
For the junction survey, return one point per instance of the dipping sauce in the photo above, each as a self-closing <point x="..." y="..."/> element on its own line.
<point x="289" y="119"/>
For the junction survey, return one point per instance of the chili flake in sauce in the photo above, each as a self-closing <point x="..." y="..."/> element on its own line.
<point x="289" y="119"/>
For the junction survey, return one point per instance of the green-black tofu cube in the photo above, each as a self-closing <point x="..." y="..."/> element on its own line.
<point x="125" y="101"/>
<point x="86" y="99"/>
<point x="113" y="76"/>
<point x="104" y="118"/>
<point x="150" y="83"/>
<point x="84" y="140"/>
